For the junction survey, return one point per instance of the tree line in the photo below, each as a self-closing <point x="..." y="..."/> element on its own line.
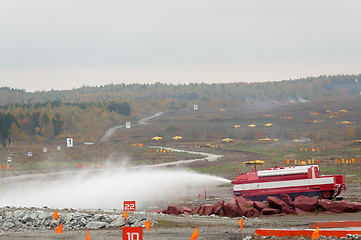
<point x="55" y="119"/>
<point x="312" y="88"/>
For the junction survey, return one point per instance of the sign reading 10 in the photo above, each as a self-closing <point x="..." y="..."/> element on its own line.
<point x="132" y="233"/>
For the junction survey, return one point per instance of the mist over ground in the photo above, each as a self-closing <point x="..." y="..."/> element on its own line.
<point x="106" y="188"/>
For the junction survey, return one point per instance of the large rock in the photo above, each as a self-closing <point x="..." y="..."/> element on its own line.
<point x="140" y="222"/>
<point x="172" y="209"/>
<point x="323" y="202"/>
<point x="242" y="202"/>
<point x="8" y="225"/>
<point x="250" y="202"/>
<point x="339" y="207"/>
<point x="256" y="213"/>
<point x="275" y="202"/>
<point x="185" y="210"/>
<point x="44" y="215"/>
<point x="259" y="205"/>
<point x="270" y="211"/>
<point x="26" y="218"/>
<point x="206" y="210"/>
<point x="250" y="212"/>
<point x="230" y="209"/>
<point x="217" y="207"/>
<point x="2" y="214"/>
<point x="12" y="214"/>
<point x="68" y="217"/>
<point x="119" y="222"/>
<point x="33" y="216"/>
<point x="305" y="203"/>
<point x="288" y="210"/>
<point x="131" y="220"/>
<point x="95" y="225"/>
<point x="357" y="206"/>
<point x="82" y="221"/>
<point x="286" y="199"/>
<point x="201" y="211"/>
<point x="195" y="210"/>
<point x="243" y="211"/>
<point x="299" y="211"/>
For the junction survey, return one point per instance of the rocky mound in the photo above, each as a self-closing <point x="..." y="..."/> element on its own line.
<point x="241" y="207"/>
<point x="42" y="219"/>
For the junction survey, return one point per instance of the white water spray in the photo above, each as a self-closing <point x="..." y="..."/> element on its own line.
<point x="106" y="189"/>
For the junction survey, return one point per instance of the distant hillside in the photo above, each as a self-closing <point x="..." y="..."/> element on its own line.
<point x="86" y="112"/>
<point x="313" y="88"/>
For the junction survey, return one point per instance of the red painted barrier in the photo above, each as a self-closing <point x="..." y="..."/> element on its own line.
<point x="335" y="224"/>
<point x="305" y="232"/>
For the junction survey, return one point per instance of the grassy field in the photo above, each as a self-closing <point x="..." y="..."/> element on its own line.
<point x="315" y="126"/>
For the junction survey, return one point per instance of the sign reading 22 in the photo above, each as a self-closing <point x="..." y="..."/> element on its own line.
<point x="129" y="206"/>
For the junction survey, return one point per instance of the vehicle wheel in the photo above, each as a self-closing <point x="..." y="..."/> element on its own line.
<point x="326" y="195"/>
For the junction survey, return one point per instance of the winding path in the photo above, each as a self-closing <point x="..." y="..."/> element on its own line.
<point x="111" y="131"/>
<point x="206" y="156"/>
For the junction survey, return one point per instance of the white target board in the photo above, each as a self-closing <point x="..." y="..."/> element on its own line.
<point x="195" y="107"/>
<point x="69" y="142"/>
<point x="128" y="125"/>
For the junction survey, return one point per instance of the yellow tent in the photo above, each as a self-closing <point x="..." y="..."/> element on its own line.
<point x="157" y="138"/>
<point x="227" y="140"/>
<point x="264" y="140"/>
<point x="177" y="137"/>
<point x="254" y="162"/>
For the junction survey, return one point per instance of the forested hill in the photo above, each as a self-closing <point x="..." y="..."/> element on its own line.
<point x="86" y="112"/>
<point x="313" y="88"/>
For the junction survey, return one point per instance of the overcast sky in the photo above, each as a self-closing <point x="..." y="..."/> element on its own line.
<point x="61" y="44"/>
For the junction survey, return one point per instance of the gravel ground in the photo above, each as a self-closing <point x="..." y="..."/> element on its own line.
<point x="181" y="227"/>
<point x="178" y="227"/>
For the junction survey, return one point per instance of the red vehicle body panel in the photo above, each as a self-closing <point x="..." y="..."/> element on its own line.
<point x="294" y="181"/>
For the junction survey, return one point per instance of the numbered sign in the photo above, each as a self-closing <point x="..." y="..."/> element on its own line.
<point x="129" y="206"/>
<point x="132" y="233"/>
<point x="128" y="125"/>
<point x="69" y="142"/>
